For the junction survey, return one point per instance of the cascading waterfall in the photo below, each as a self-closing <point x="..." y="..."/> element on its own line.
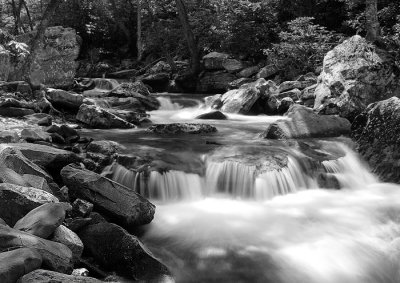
<point x="167" y="104"/>
<point x="349" y="170"/>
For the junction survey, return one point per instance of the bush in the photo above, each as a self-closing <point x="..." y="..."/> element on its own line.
<point x="302" y="47"/>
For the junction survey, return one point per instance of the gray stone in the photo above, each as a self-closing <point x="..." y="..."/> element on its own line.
<point x="16" y="201"/>
<point x="15" y="264"/>
<point x="214" y="60"/>
<point x="248" y="72"/>
<point x="181" y="128"/>
<point x="64" y="99"/>
<point x="46" y="276"/>
<point x="97" y="117"/>
<point x="56" y="256"/>
<point x="69" y="238"/>
<point x="119" y="202"/>
<point x="303" y="122"/>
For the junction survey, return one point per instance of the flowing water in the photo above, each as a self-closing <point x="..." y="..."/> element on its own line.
<point x="234" y="208"/>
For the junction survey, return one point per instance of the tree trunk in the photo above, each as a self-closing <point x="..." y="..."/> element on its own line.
<point x="194" y="52"/>
<point x="29" y="15"/>
<point x="372" y="23"/>
<point x="139" y="31"/>
<point x="34" y="44"/>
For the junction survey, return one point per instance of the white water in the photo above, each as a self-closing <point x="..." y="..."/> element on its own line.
<point x="237" y="224"/>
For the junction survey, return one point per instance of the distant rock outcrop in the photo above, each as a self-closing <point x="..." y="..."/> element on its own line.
<point x="355" y="74"/>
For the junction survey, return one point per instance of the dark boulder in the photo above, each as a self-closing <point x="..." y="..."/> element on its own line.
<point x="376" y="132"/>
<point x="215" y="115"/>
<point x="116" y="249"/>
<point x="15" y="264"/>
<point x="119" y="202"/>
<point x="181" y="128"/>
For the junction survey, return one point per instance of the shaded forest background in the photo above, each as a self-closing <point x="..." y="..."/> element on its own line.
<point x="292" y="34"/>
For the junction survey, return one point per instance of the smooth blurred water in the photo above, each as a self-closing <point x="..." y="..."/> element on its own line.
<point x="221" y="217"/>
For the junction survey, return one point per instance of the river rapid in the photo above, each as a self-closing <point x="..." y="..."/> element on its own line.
<point x="223" y="217"/>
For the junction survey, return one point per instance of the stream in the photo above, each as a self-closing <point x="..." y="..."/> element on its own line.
<point x="232" y="207"/>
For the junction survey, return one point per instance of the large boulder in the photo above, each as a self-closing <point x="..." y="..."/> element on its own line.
<point x="214" y="115"/>
<point x="303" y="122"/>
<point x="96" y="117"/>
<point x="181" y="128"/>
<point x="355" y="74"/>
<point x="4" y="63"/>
<point x="56" y="256"/>
<point x="158" y="82"/>
<point x="376" y="132"/>
<point x="116" y="249"/>
<point x="267" y="72"/>
<point x="64" y="99"/>
<point x="140" y="92"/>
<point x="14" y="264"/>
<point x="233" y="65"/>
<point x="46" y="276"/>
<point x="214" y="60"/>
<point x="50" y="158"/>
<point x="16" y="201"/>
<point x="214" y="82"/>
<point x="15" y="111"/>
<point x="243" y="99"/>
<point x="69" y="238"/>
<point x="43" y="220"/>
<point x="248" y="72"/>
<point x="119" y="202"/>
<point x="54" y="64"/>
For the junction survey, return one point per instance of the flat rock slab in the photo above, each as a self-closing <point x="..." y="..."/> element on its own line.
<point x="303" y="122"/>
<point x="46" y="276"/>
<point x="121" y="203"/>
<point x="181" y="128"/>
<point x="43" y="220"/>
<point x="16" y="263"/>
<point x="56" y="256"/>
<point x="17" y="201"/>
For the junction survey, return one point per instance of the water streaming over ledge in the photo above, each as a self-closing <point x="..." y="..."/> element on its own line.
<point x="235" y="222"/>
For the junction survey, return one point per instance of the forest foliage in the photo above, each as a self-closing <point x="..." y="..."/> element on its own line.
<point x="271" y="31"/>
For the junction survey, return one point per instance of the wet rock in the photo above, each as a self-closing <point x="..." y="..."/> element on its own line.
<point x="328" y="181"/>
<point x="214" y="60"/>
<point x="36" y="182"/>
<point x="294" y="94"/>
<point x="80" y="272"/>
<point x="289" y="85"/>
<point x="12" y="158"/>
<point x="97" y="117"/>
<point x="35" y="135"/>
<point x="214" y="101"/>
<point x="46" y="276"/>
<point x="248" y="72"/>
<point x="355" y="74"/>
<point x="105" y="147"/>
<point x="308" y="96"/>
<point x="214" y="82"/>
<point x="215" y="115"/>
<point x="43" y="220"/>
<point x="81" y="208"/>
<point x="54" y="64"/>
<point x="2" y="222"/>
<point x="181" y="128"/>
<point x="57" y="138"/>
<point x="232" y="65"/>
<point x="242" y="100"/>
<point x="116" y="249"/>
<point x="16" y="201"/>
<point x="45" y="121"/>
<point x="139" y="91"/>
<point x="56" y="256"/>
<point x="64" y="99"/>
<point x="119" y="202"/>
<point x="69" y="238"/>
<point x="99" y="87"/>
<point x="14" y="264"/>
<point x="376" y="132"/>
<point x="50" y="158"/>
<point x="15" y="112"/>
<point x="284" y="105"/>
<point x="8" y="137"/>
<point x="239" y="82"/>
<point x="267" y="72"/>
<point x="303" y="122"/>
